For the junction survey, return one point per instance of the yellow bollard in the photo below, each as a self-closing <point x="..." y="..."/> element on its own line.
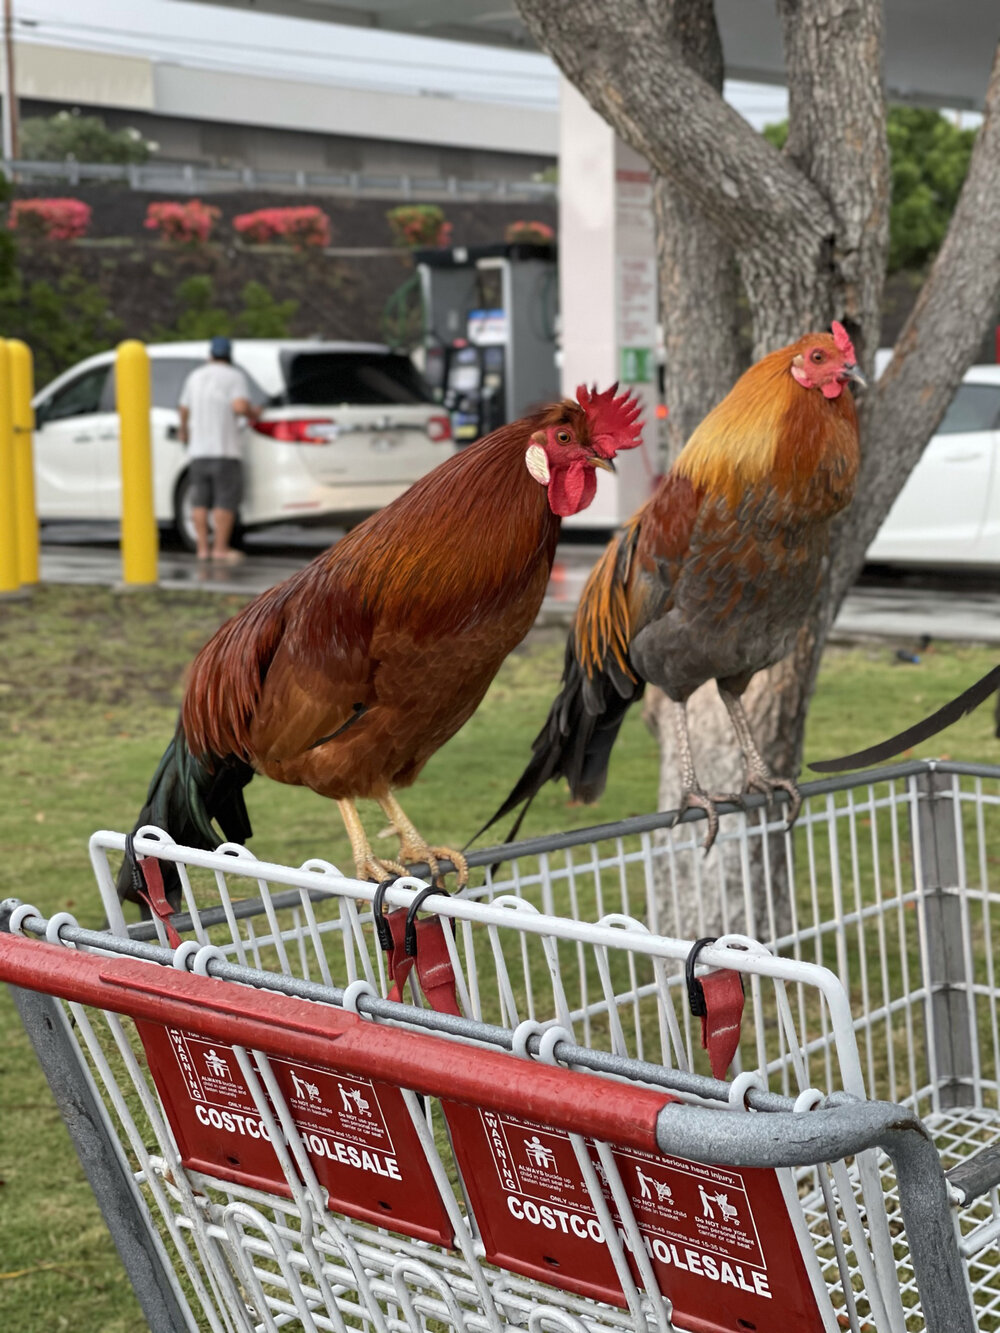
<point x="21" y="394"/>
<point x="139" y="535"/>
<point x="9" y="580"/>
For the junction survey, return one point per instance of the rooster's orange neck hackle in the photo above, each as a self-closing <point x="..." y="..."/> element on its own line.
<point x="713" y="578"/>
<point x="785" y="420"/>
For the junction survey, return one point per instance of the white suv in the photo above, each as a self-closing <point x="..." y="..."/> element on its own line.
<point x="948" y="512"/>
<point x="346" y="427"/>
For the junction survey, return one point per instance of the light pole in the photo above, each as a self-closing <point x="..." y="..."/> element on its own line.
<point x="9" y="93"/>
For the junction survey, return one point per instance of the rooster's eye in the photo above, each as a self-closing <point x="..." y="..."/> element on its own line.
<point x="817" y="356"/>
<point x="563" y="436"/>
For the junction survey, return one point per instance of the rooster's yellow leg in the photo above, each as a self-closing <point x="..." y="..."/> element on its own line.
<point x="366" y="864"/>
<point x="413" y="847"/>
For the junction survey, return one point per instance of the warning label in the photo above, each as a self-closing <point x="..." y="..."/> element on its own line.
<point x="339" y="1118"/>
<point x="348" y="1110"/>
<point x="685" y="1201"/>
<point x="358" y="1134"/>
<point x="701" y="1227"/>
<point x="672" y="1200"/>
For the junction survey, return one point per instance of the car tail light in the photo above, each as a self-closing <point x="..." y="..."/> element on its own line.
<point x="439" y="429"/>
<point x="310" y="430"/>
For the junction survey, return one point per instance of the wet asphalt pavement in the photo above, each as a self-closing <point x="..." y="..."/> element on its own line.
<point x="885" y="604"/>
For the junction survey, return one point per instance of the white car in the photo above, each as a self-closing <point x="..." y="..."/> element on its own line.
<point x="346" y="428"/>
<point x="948" y="513"/>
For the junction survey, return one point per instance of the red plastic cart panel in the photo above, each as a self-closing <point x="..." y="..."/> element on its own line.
<point x="358" y="1133"/>
<point x="720" y="1240"/>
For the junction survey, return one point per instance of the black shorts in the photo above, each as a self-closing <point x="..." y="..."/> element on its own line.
<point x="216" y="483"/>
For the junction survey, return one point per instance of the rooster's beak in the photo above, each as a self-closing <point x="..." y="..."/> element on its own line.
<point x="604" y="463"/>
<point x="853" y="373"/>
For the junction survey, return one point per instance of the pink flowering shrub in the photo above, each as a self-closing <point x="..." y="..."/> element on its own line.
<point x="529" y="233"/>
<point x="57" y="219"/>
<point x="302" y="228"/>
<point x="187" y="223"/>
<point x="419" y="224"/>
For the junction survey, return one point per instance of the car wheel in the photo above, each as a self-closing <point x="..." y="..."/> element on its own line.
<point x="184" y="523"/>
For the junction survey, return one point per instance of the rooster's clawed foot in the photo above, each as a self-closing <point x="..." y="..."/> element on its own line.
<point x="694" y="798"/>
<point x="411" y="852"/>
<point x="415" y="851"/>
<point x="762" y="781"/>
<point x="376" y="868"/>
<point x="413" y="847"/>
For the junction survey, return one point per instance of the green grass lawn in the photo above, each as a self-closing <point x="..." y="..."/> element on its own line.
<point x="89" y="686"/>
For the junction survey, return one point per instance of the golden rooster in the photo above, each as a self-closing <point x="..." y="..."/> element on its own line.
<point x="714" y="576"/>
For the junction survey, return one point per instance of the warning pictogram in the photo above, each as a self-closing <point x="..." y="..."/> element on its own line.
<point x="216" y="1066"/>
<point x="304" y="1089"/>
<point x="647" y="1184"/>
<point x="540" y="1154"/>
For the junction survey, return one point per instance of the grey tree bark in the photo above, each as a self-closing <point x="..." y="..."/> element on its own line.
<point x="809" y="231"/>
<point x="699" y="309"/>
<point x="699" y="280"/>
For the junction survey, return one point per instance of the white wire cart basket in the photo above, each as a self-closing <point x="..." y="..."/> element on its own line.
<point x="308" y="1102"/>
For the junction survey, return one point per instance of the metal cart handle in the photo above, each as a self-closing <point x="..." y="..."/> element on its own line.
<point x="975" y="1175"/>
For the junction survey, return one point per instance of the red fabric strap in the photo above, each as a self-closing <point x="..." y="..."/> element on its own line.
<point x="437" y="977"/>
<point x="720" y="1024"/>
<point x="155" y="898"/>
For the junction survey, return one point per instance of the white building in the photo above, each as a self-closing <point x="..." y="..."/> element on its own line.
<point x="227" y="109"/>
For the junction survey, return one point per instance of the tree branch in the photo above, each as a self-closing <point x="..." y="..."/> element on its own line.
<point x="806" y="225"/>
<point x="637" y="78"/>
<point x="936" y="347"/>
<point x="698" y="278"/>
<point x="837" y="138"/>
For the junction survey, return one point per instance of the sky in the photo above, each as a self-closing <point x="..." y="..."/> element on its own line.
<point x="224" y="38"/>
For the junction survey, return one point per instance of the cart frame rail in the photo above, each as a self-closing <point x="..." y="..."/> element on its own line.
<point x="39" y="972"/>
<point x="869" y="1059"/>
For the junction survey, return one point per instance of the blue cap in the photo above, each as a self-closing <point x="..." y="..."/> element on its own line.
<point x="221" y="347"/>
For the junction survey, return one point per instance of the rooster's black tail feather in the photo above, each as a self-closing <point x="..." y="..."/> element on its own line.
<point x="185" y="795"/>
<point x="595" y="694"/>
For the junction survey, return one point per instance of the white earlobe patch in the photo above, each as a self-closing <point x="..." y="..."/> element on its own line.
<point x="537" y="464"/>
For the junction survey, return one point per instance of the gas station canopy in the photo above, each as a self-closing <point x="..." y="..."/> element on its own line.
<point x="938" y="52"/>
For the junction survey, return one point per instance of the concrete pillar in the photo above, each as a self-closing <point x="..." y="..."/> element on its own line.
<point x="607" y="288"/>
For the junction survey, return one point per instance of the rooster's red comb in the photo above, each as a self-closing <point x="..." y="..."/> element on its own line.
<point x="843" y="340"/>
<point x="613" y="423"/>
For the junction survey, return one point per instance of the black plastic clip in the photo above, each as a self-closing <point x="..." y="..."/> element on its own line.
<point x="382" y="927"/>
<point x="410" y="936"/>
<point x="135" y="874"/>
<point x="696" y="992"/>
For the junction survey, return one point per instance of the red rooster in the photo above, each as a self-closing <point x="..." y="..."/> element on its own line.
<point x="714" y="575"/>
<point x="349" y="675"/>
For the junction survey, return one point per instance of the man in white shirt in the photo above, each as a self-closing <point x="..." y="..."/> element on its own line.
<point x="214" y="398"/>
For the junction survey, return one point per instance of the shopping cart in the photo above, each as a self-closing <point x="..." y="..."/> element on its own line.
<point x="561" y="1154"/>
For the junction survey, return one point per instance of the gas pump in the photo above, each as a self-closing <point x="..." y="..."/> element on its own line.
<point x="491" y="321"/>
<point x="473" y="389"/>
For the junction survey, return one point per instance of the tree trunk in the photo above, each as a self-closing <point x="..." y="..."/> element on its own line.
<point x="937" y="345"/>
<point x="699" y="310"/>
<point x="699" y="292"/>
<point x="699" y="280"/>
<point x="834" y="58"/>
<point x="809" y="229"/>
